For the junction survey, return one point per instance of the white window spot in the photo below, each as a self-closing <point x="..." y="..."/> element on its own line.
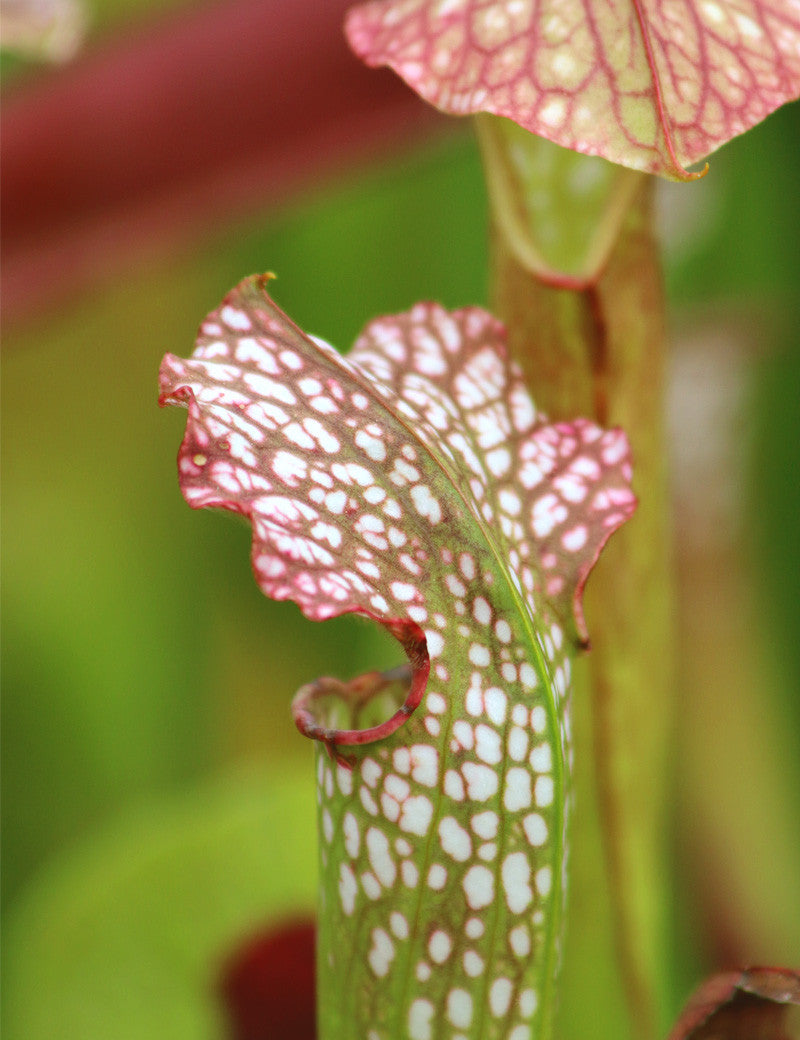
<point x="575" y="539"/>
<point x="543" y="791"/>
<point x="553" y="112"/>
<point x="398" y="924"/>
<point x="440" y="946"/>
<point x="455" y="840"/>
<point x="481" y="611"/>
<point x="466" y="565"/>
<point x="502" y="630"/>
<point x="352" y="837"/>
<point x="544" y="881"/>
<point x="474" y="928"/>
<point x="516" y="875"/>
<point x="541" y="758"/>
<point x="409" y="873"/>
<point x="488" y="746"/>
<point x="235" y="319"/>
<point x="455" y="585"/>
<point x="528" y="1003"/>
<point x="347" y="888"/>
<point x="369" y="803"/>
<point x="535" y="829"/>
<point x="403" y="591"/>
<point x="437" y="705"/>
<point x="538" y="719"/>
<point x="380" y="857"/>
<point x="425" y="504"/>
<point x="496" y="704"/>
<point x="485" y="824"/>
<point x="374" y="495"/>
<point x="371" y="885"/>
<point x="479" y="655"/>
<point x="527" y="676"/>
<point x="425" y="765"/>
<point x="498" y="461"/>
<point x="381" y="954"/>
<point x="435" y="645"/>
<point x="344" y="778"/>
<point x="416" y="814"/>
<point x="396" y="787"/>
<point x="401" y="759"/>
<point x="419" y="1020"/>
<point x="371" y="772"/>
<point x="500" y="997"/>
<point x="437" y="877"/>
<point x="454" y="786"/>
<point x="518" y="789"/>
<point x="517" y="744"/>
<point x="373" y="447"/>
<point x="519" y="940"/>
<point x="481" y="781"/>
<point x="478" y="885"/>
<point x="459" y="1008"/>
<point x="463" y="735"/>
<point x="473" y="964"/>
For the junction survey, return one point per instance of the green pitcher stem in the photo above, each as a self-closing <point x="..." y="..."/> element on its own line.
<point x="593" y="345"/>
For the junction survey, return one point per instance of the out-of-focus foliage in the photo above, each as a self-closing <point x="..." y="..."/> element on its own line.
<point x="140" y="659"/>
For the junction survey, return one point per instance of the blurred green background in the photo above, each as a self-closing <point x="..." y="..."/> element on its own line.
<point x="157" y="801"/>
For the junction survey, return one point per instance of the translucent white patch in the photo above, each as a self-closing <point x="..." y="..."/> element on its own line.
<point x="473" y="964"/>
<point x="517" y="744"/>
<point x="416" y="814"/>
<point x="481" y="781"/>
<point x="517" y="794"/>
<point x="454" y="786"/>
<point x="380" y="857"/>
<point x="381" y="953"/>
<point x="516" y="873"/>
<point x="519" y="940"/>
<point x="425" y="765"/>
<point x="478" y="885"/>
<point x="399" y="925"/>
<point x="440" y="946"/>
<point x="488" y="746"/>
<point x="485" y="824"/>
<point x="543" y="791"/>
<point x="409" y="873"/>
<point x="352" y="836"/>
<point x="541" y="758"/>
<point x="500" y="997"/>
<point x="437" y="877"/>
<point x="454" y="839"/>
<point x="535" y="829"/>
<point x="496" y="702"/>
<point x="371" y="772"/>
<point x="459" y="1008"/>
<point x="420" y="1014"/>
<point x="348" y="888"/>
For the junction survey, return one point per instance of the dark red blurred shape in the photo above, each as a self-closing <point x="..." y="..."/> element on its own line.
<point x="267" y="985"/>
<point x="741" y="1005"/>
<point x="201" y="115"/>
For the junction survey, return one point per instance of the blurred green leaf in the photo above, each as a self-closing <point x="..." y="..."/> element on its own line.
<point x="124" y="937"/>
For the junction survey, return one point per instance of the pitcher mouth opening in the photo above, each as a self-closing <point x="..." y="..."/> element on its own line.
<point x="368" y="707"/>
